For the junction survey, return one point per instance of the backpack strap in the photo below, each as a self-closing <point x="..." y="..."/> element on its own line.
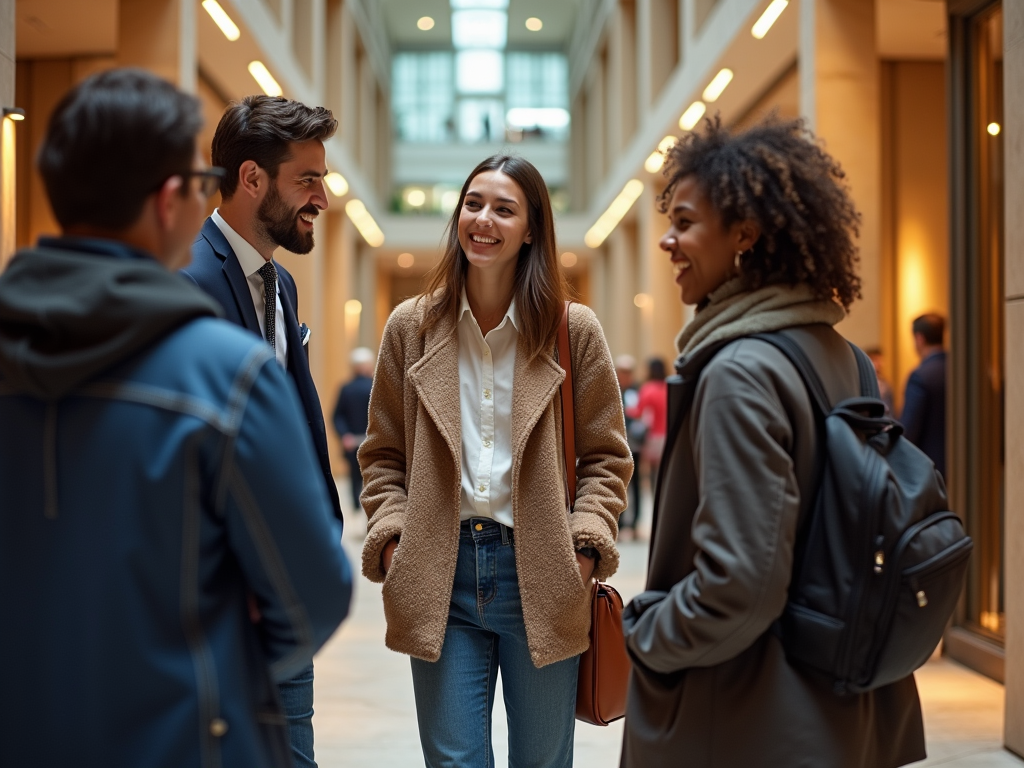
<point x="815" y="388"/>
<point x="796" y="355"/>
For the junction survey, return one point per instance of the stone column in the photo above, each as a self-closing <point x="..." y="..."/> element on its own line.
<point x="1013" y="118"/>
<point x="619" y="318"/>
<point x="159" y="35"/>
<point x="8" y="133"/>
<point x="664" y="317"/>
<point x="840" y="96"/>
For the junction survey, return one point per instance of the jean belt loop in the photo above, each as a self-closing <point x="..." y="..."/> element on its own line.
<point x="504" y="534"/>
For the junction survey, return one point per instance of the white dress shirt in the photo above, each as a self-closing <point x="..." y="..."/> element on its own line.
<point x="486" y="368"/>
<point x="251" y="261"/>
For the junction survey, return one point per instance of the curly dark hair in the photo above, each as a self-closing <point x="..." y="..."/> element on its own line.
<point x="777" y="175"/>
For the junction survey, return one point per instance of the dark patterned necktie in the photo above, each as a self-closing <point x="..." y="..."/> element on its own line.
<point x="269" y="274"/>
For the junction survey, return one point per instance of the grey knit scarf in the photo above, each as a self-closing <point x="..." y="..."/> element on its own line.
<point x="732" y="311"/>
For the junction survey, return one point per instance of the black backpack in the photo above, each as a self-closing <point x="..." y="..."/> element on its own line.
<point x="880" y="560"/>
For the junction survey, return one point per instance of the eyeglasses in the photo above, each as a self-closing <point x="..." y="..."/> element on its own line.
<point x="209" y="179"/>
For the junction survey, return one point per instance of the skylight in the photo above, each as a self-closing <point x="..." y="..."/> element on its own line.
<point x="479" y="29"/>
<point x="479" y="71"/>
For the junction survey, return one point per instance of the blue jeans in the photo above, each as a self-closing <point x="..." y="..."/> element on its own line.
<point x="297" y="702"/>
<point x="485" y="633"/>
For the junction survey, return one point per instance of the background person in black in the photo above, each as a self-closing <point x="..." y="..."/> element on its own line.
<point x="273" y="154"/>
<point x="636" y="430"/>
<point x="350" y="415"/>
<point x="924" y="401"/>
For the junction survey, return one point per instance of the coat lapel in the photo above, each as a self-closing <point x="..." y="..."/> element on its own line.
<point x="535" y="384"/>
<point x="435" y="377"/>
<point x="234" y="275"/>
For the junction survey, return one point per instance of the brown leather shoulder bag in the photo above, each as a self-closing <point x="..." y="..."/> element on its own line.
<point x="604" y="666"/>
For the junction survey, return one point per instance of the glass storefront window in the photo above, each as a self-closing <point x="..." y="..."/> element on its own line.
<point x="975" y="440"/>
<point x="985" y="609"/>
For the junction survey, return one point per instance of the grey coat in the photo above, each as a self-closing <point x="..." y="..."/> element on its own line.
<point x="711" y="686"/>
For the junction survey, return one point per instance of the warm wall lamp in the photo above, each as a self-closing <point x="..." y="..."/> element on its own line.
<point x="14" y="113"/>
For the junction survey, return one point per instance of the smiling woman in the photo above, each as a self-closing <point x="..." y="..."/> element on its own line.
<point x="468" y="368"/>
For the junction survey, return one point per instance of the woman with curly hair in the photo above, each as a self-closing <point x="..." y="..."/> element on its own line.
<point x="761" y="238"/>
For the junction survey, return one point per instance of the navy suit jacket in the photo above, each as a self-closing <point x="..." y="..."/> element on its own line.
<point x="216" y="270"/>
<point x="351" y="414"/>
<point x="924" y="409"/>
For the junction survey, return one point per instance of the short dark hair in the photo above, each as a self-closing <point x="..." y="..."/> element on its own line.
<point x="261" y="128"/>
<point x="777" y="175"/>
<point x="931" y="327"/>
<point x="111" y="142"/>
<point x="656" y="369"/>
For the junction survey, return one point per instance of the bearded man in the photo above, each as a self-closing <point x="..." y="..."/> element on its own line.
<point x="272" y="150"/>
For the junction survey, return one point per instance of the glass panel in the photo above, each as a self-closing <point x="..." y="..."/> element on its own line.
<point x="985" y="609"/>
<point x="423" y="96"/>
<point x="480" y="120"/>
<point x="525" y="96"/>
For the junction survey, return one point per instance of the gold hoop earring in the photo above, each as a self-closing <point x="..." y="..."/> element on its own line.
<point x="736" y="261"/>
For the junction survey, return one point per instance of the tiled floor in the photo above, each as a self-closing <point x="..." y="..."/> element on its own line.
<point x="365" y="716"/>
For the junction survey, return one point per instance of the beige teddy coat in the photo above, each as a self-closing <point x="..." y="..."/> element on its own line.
<point x="411" y="462"/>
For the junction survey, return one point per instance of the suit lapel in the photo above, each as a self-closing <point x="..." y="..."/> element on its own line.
<point x="233" y="274"/>
<point x="296" y="357"/>
<point x="435" y="376"/>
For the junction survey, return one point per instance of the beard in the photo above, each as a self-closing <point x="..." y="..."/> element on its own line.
<point x="281" y="223"/>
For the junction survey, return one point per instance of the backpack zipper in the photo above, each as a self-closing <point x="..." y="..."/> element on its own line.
<point x="874" y="479"/>
<point x="896" y="577"/>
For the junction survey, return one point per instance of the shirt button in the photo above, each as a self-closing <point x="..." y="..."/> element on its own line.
<point x="482" y="488"/>
<point x="487" y="352"/>
<point x="218" y="727"/>
<point x="487" y="394"/>
<point x="487" y="443"/>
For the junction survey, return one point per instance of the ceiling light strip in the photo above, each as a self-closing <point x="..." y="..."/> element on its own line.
<point x="266" y="81"/>
<point x="770" y="16"/>
<point x="364" y="222"/>
<point x="718" y="84"/>
<point x="221" y="19"/>
<point x="610" y="219"/>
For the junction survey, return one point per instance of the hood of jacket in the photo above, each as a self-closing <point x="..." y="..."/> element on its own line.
<point x="72" y="308"/>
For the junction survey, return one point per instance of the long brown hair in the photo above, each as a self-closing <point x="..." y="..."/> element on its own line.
<point x="540" y="288"/>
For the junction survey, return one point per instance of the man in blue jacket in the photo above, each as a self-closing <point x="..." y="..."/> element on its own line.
<point x="272" y="152"/>
<point x="168" y="552"/>
<point x="924" y="401"/>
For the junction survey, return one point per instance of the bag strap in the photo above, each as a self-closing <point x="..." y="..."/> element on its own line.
<point x="815" y="388"/>
<point x="568" y="415"/>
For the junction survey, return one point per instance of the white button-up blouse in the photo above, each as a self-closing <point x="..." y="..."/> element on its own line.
<point x="486" y="368"/>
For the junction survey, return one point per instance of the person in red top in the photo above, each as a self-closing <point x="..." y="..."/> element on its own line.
<point x="652" y="408"/>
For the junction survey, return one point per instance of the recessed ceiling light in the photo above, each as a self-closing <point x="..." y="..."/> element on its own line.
<point x="534" y="24"/>
<point x="406" y="260"/>
<point x="569" y="259"/>
<point x="994" y="129"/>
<point x="415" y="197"/>
<point x="425" y="23"/>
